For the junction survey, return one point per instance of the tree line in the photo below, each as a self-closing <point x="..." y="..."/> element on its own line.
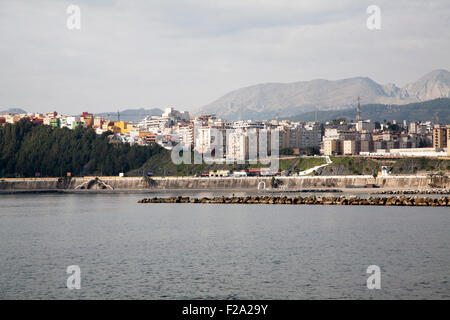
<point x="27" y="149"/>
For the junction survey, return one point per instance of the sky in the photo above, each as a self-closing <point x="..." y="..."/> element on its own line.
<point x="188" y="53"/>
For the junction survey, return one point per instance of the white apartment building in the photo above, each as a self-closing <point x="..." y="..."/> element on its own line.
<point x="154" y="124"/>
<point x="237" y="145"/>
<point x="175" y="115"/>
<point x="159" y="125"/>
<point x="310" y="135"/>
<point x="66" y="122"/>
<point x="420" y="127"/>
<point x="208" y="139"/>
<point x="365" y="125"/>
<point x="248" y="124"/>
<point x="300" y="135"/>
<point x="185" y="135"/>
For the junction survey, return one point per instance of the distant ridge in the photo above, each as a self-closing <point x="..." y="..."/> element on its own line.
<point x="265" y="101"/>
<point x="436" y="110"/>
<point x="13" y="110"/>
<point x="131" y="114"/>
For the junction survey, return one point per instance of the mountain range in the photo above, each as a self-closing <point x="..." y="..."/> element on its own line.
<point x="266" y="101"/>
<point x="131" y="114"/>
<point x="125" y="115"/>
<point x="13" y="110"/>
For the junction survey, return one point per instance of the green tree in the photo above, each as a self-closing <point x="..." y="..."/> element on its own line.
<point x="27" y="148"/>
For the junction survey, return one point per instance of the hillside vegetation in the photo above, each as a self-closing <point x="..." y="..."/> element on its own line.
<point x="421" y="111"/>
<point x="27" y="149"/>
<point x="162" y="165"/>
<point x="367" y="166"/>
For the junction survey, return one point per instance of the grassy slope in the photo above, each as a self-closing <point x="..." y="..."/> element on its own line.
<point x="414" y="165"/>
<point x="300" y="164"/>
<point x="366" y="166"/>
<point x="351" y="166"/>
<point x="162" y="165"/>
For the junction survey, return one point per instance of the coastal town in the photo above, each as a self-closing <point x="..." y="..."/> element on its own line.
<point x="361" y="137"/>
<point x="330" y="156"/>
<point x="227" y="158"/>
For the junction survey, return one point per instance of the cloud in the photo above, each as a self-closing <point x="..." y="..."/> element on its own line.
<point x="188" y="53"/>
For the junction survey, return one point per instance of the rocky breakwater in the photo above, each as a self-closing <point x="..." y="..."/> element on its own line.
<point x="443" y="201"/>
<point x="427" y="191"/>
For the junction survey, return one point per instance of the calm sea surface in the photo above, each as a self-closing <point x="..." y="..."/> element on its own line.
<point x="128" y="250"/>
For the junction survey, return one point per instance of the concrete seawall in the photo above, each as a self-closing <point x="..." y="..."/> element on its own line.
<point x="188" y="183"/>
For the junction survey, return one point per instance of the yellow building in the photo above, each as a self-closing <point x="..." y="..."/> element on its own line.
<point x="105" y="126"/>
<point x="440" y="137"/>
<point x="113" y="128"/>
<point x="330" y="146"/>
<point x="448" y="139"/>
<point x="349" y="147"/>
<point x="122" y="125"/>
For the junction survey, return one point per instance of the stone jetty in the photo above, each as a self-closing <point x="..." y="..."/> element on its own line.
<point x="306" y="191"/>
<point x="443" y="201"/>
<point x="426" y="191"/>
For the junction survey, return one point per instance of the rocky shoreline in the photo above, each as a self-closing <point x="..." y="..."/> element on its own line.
<point x="305" y="191"/>
<point x="429" y="191"/>
<point x="443" y="201"/>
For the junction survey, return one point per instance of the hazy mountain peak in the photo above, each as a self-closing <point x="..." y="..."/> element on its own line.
<point x="13" y="110"/>
<point x="264" y="101"/>
<point x="435" y="84"/>
<point x="440" y="74"/>
<point x="131" y="114"/>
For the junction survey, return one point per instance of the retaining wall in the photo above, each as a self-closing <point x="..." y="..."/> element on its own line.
<point x="288" y="183"/>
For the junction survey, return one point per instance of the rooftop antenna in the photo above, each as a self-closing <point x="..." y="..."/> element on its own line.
<point x="358" y="110"/>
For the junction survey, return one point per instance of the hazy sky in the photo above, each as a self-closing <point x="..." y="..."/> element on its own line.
<point x="187" y="53"/>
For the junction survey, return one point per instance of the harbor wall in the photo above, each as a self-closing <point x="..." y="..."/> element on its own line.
<point x="242" y="183"/>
